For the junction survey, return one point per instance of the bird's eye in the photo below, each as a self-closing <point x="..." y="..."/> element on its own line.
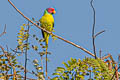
<point x="52" y="9"/>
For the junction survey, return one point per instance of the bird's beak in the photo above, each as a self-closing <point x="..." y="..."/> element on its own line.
<point x="54" y="12"/>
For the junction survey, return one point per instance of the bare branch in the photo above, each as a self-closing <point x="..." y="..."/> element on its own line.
<point x="109" y="56"/>
<point x="26" y="51"/>
<point x="110" y="67"/>
<point x="5" y="28"/>
<point x="99" y="33"/>
<point x="4" y="32"/>
<point x="116" y="73"/>
<point x="109" y="64"/>
<point x="16" y="51"/>
<point x="93" y="30"/>
<point x="51" y="32"/>
<point x="100" y="52"/>
<point x="106" y="56"/>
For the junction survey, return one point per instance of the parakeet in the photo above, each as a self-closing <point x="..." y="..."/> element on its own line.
<point x="47" y="22"/>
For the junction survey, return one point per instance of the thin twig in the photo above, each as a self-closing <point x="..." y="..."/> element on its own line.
<point x="105" y="57"/>
<point x="93" y="30"/>
<point x="115" y="72"/>
<point x="109" y="64"/>
<point x="90" y="75"/>
<point x="8" y="52"/>
<point x="109" y="56"/>
<point x="27" y="78"/>
<point x="51" y="32"/>
<point x="42" y="63"/>
<point x="100" y="54"/>
<point x="4" y="32"/>
<point x="26" y="52"/>
<point x="16" y="51"/>
<point x="99" y="33"/>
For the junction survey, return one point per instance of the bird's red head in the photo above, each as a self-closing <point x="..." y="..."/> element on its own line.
<point x="51" y="10"/>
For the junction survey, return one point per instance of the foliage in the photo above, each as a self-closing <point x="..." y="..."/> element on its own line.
<point x="23" y="36"/>
<point x="39" y="69"/>
<point x="74" y="69"/>
<point x="9" y="67"/>
<point x="79" y="69"/>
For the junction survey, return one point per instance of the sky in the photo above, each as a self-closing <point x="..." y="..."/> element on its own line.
<point x="73" y="21"/>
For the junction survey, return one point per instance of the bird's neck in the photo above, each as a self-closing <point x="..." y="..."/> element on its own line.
<point x="45" y="12"/>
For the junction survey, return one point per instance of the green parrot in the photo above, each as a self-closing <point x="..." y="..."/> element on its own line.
<point x="47" y="22"/>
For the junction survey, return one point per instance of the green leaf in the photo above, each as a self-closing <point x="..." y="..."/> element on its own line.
<point x="36" y="64"/>
<point x="22" y="28"/>
<point x="70" y="63"/>
<point x="36" y="38"/>
<point x="39" y="68"/>
<point x="35" y="61"/>
<point x="20" y="36"/>
<point x="24" y="24"/>
<point x="55" y="78"/>
<point x="43" y="46"/>
<point x="35" y="47"/>
<point x="21" y="33"/>
<point x="64" y="75"/>
<point x="41" y="40"/>
<point x="34" y="35"/>
<point x="60" y="69"/>
<point x="3" y="60"/>
<point x="42" y="53"/>
<point x="65" y="64"/>
<point x="18" y="71"/>
<point x="13" y="57"/>
<point x="73" y="60"/>
<point x="80" y="76"/>
<point x="40" y="73"/>
<point x="61" y="78"/>
<point x="56" y="74"/>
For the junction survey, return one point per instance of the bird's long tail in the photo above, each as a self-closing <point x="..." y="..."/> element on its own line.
<point x="46" y="59"/>
<point x="46" y="42"/>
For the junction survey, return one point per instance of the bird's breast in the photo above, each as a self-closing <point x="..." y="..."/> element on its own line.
<point x="47" y="19"/>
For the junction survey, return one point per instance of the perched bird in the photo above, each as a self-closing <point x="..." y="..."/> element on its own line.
<point x="47" y="22"/>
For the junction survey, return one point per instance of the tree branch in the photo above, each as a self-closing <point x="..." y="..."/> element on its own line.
<point x="3" y="31"/>
<point x="109" y="56"/>
<point x="26" y="50"/>
<point x="51" y="32"/>
<point x="93" y="30"/>
<point x="99" y="33"/>
<point x="116" y="73"/>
